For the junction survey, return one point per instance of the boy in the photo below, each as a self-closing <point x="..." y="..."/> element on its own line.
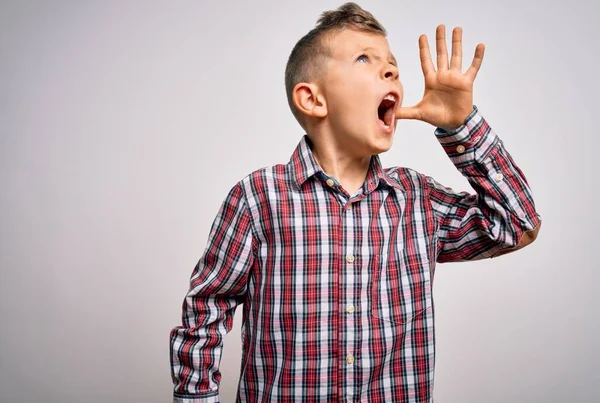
<point x="332" y="255"/>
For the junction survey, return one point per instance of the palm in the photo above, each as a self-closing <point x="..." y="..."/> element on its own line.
<point x="448" y="96"/>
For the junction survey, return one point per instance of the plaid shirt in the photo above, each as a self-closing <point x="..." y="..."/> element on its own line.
<point x="336" y="288"/>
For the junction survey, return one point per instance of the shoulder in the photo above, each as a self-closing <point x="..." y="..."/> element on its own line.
<point x="257" y="182"/>
<point x="271" y="173"/>
<point x="408" y="178"/>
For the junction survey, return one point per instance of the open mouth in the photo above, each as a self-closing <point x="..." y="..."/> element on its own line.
<point x="386" y="110"/>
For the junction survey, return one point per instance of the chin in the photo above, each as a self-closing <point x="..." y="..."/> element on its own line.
<point x="382" y="145"/>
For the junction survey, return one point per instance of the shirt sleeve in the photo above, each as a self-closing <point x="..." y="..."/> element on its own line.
<point x="501" y="217"/>
<point x="218" y="285"/>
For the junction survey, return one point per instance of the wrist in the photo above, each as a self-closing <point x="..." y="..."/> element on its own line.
<point x="456" y="126"/>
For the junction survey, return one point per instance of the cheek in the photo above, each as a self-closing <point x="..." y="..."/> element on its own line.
<point x="351" y="106"/>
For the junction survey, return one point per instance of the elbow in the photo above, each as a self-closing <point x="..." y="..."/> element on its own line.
<point x="527" y="238"/>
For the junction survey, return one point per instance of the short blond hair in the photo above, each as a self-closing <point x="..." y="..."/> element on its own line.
<point x="308" y="58"/>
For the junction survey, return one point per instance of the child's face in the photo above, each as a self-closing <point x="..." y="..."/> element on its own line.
<point x="360" y="73"/>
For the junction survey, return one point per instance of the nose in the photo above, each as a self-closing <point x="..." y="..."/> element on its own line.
<point x="390" y="71"/>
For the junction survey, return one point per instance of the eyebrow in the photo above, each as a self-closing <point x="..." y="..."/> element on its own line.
<point x="391" y="56"/>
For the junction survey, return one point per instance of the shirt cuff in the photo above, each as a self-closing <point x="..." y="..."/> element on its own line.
<point x="469" y="143"/>
<point x="204" y="398"/>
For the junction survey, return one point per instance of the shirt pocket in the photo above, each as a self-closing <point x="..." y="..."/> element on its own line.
<point x="400" y="289"/>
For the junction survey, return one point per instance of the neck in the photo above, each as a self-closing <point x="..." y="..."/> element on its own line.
<point x="349" y="169"/>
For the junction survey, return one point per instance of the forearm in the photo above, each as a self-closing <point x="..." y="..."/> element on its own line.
<point x="196" y="347"/>
<point x="501" y="216"/>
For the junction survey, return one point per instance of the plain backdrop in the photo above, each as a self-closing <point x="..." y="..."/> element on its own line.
<point x="124" y="124"/>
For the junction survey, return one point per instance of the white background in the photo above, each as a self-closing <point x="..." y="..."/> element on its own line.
<point x="123" y="125"/>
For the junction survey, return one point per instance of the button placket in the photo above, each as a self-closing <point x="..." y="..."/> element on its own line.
<point x="348" y="320"/>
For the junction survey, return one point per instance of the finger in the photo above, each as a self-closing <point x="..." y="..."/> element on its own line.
<point x="476" y="64"/>
<point x="456" y="61"/>
<point x="425" y="54"/>
<point x="408" y="112"/>
<point x="442" y="52"/>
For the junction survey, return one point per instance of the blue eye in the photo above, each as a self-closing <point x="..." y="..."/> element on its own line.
<point x="365" y="57"/>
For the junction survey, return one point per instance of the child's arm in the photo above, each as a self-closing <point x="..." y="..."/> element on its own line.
<point x="501" y="217"/>
<point x="217" y="285"/>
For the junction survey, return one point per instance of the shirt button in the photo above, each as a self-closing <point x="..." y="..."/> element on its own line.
<point x="498" y="177"/>
<point x="350" y="359"/>
<point x="460" y="148"/>
<point x="350" y="308"/>
<point x="349" y="206"/>
<point x="350" y="258"/>
<point x="330" y="182"/>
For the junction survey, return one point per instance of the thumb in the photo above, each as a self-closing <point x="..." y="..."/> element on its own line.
<point x="408" y="112"/>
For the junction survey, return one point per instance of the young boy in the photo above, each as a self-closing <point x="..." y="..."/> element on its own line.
<point x="333" y="255"/>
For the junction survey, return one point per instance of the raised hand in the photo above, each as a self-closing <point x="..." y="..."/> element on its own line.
<point x="448" y="97"/>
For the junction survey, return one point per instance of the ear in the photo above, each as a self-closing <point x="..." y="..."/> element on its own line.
<point x="309" y="100"/>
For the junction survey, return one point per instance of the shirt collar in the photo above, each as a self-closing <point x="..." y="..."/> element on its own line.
<point x="304" y="165"/>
